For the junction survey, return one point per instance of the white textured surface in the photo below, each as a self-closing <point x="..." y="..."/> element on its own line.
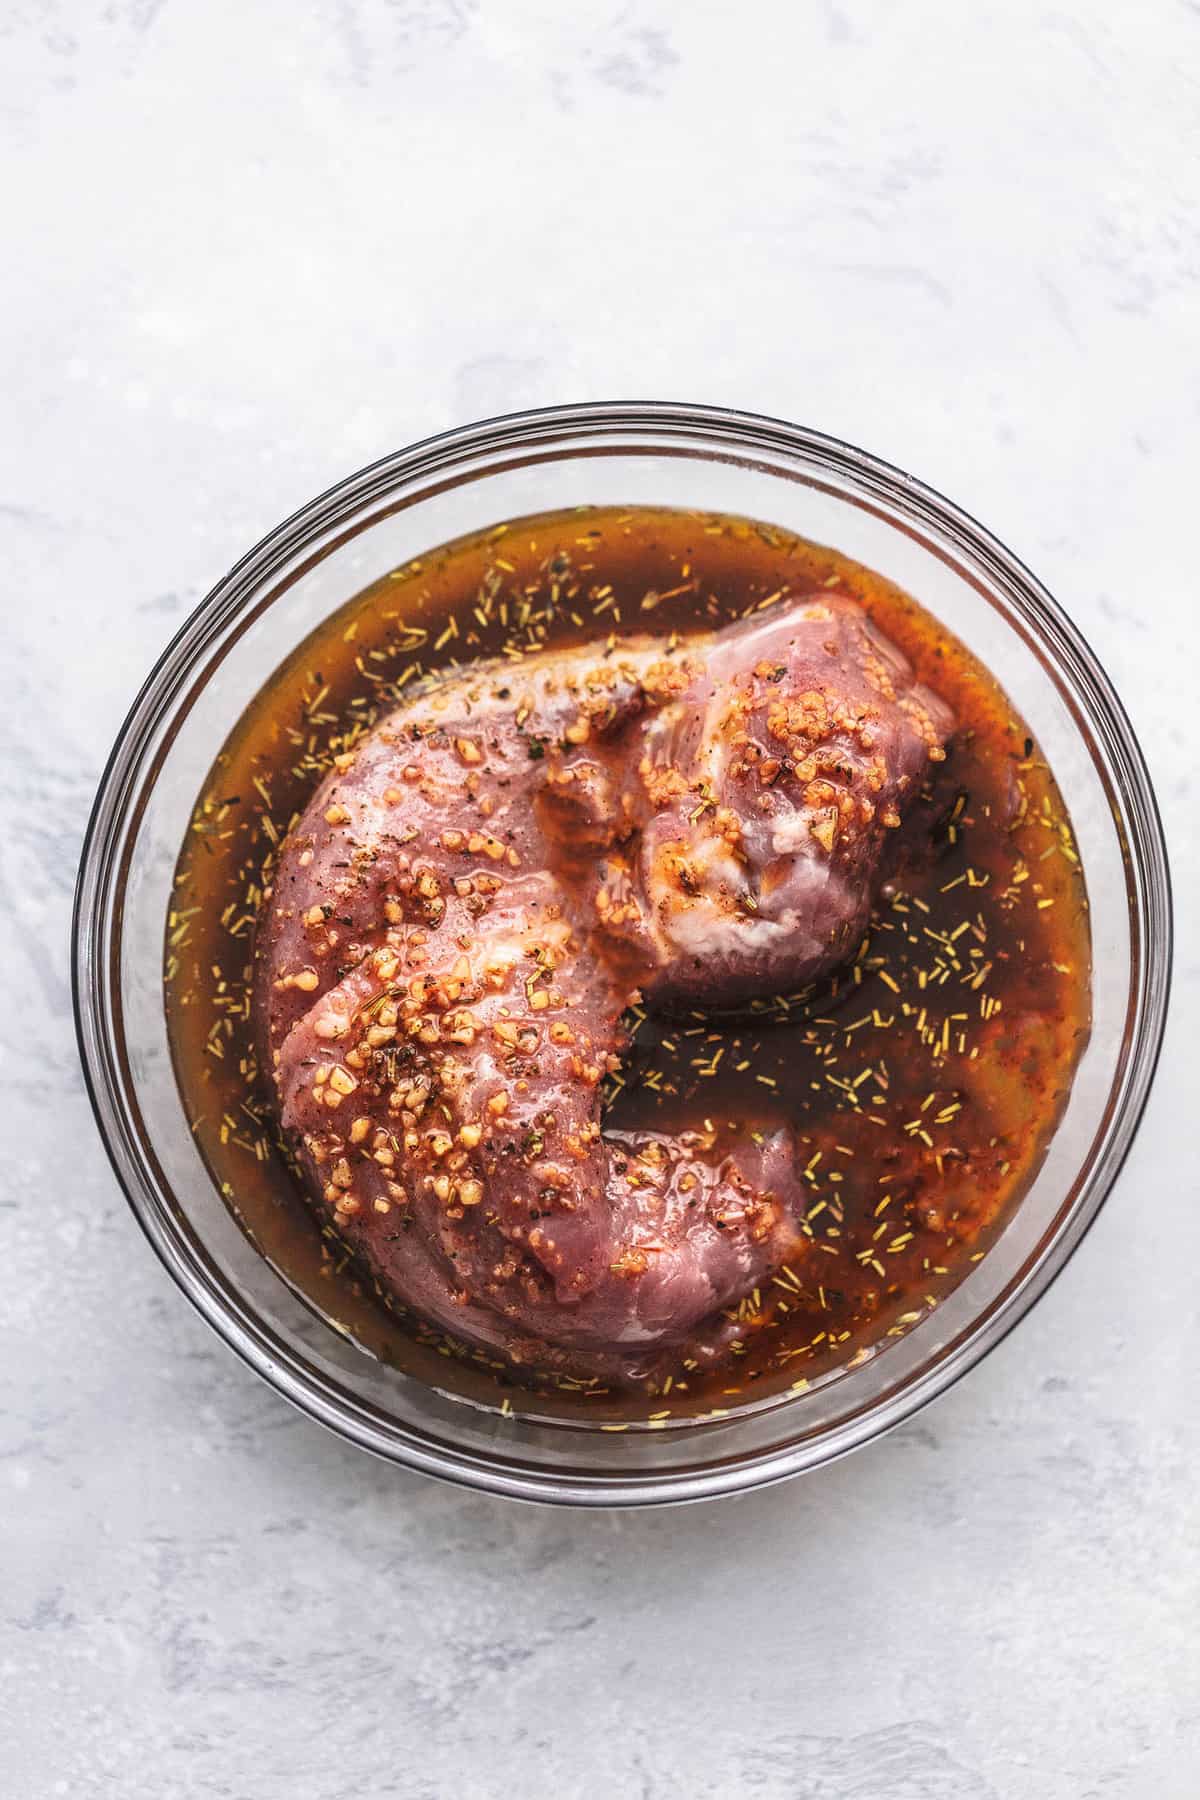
<point x="249" y="245"/>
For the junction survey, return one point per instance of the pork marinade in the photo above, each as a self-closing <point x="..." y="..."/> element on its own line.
<point x="590" y="1046"/>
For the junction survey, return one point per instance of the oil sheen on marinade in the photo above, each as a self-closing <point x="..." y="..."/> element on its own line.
<point x="924" y="1077"/>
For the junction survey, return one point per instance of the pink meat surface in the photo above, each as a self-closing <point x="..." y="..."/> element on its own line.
<point x="474" y="897"/>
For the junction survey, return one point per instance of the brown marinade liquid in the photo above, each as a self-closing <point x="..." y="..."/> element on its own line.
<point x="925" y="1077"/>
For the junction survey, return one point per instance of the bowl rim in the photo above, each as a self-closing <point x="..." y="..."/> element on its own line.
<point x="97" y="1007"/>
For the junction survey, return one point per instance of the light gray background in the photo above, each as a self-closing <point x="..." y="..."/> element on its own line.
<point x="249" y="245"/>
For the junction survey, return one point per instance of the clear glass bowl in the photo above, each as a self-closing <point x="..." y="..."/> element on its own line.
<point x="692" y="456"/>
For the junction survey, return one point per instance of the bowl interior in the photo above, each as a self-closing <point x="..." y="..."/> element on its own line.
<point x="400" y="509"/>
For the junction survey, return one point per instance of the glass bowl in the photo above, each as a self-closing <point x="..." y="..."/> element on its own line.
<point x="703" y="458"/>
